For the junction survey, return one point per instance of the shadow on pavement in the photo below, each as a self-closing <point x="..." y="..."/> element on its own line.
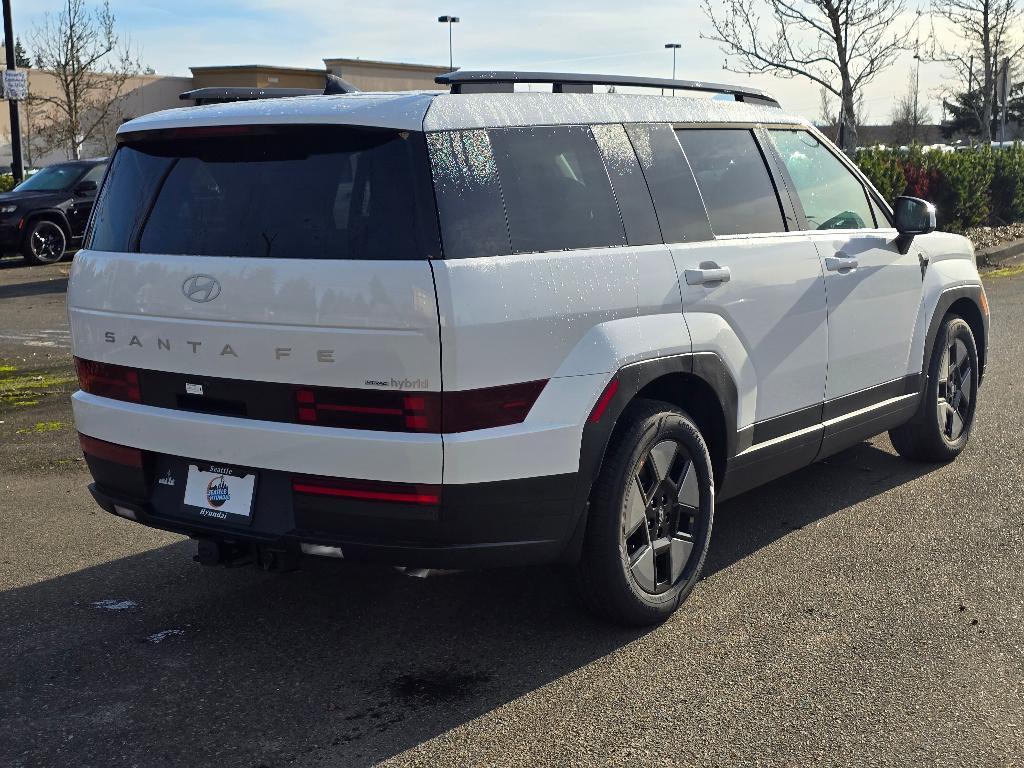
<point x="240" y="667"/>
<point x="35" y="288"/>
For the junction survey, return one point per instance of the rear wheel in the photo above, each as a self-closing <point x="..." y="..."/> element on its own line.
<point x="44" y="243"/>
<point x="942" y="427"/>
<point x="650" y="520"/>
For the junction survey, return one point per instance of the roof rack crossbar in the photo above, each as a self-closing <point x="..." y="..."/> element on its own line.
<point x="566" y="82"/>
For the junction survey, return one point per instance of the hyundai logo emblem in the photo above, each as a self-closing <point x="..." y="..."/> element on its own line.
<point x="201" y="288"/>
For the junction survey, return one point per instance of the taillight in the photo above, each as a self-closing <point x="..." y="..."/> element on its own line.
<point x="490" y="407"/>
<point x="369" y="409"/>
<point x="117" y="454"/>
<point x="430" y="412"/>
<point x="106" y="380"/>
<point x="367" y="490"/>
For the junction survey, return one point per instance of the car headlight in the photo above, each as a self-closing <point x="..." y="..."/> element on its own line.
<point x="8" y="208"/>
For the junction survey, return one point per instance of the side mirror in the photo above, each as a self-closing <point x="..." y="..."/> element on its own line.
<point x="85" y="187"/>
<point x="914" y="216"/>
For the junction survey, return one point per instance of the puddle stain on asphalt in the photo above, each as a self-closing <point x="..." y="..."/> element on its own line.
<point x="159" y="637"/>
<point x="439" y="687"/>
<point x="115" y="605"/>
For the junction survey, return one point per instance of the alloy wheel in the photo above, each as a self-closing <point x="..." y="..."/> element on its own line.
<point x="660" y="517"/>
<point x="955" y="390"/>
<point x="47" y="242"/>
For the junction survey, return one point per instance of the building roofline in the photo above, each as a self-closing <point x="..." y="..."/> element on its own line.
<point x="389" y="64"/>
<point x="257" y="67"/>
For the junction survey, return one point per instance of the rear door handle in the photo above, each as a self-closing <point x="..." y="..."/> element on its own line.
<point x="840" y="263"/>
<point x="707" y="274"/>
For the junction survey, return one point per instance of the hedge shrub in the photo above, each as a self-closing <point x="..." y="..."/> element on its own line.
<point x="1008" y="185"/>
<point x="6" y="182"/>
<point x="969" y="188"/>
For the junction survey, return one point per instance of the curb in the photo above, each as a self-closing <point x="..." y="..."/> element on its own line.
<point x="1000" y="255"/>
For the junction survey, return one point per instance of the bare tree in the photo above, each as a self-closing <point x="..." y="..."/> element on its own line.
<point x="841" y="45"/>
<point x="909" y="115"/>
<point x="989" y="31"/>
<point x="82" y="50"/>
<point x="828" y="116"/>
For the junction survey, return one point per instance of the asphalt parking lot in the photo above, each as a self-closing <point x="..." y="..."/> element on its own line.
<point x="864" y="611"/>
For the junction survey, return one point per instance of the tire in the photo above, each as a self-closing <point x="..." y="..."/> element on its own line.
<point x="942" y="426"/>
<point x="45" y="242"/>
<point x="651" y="514"/>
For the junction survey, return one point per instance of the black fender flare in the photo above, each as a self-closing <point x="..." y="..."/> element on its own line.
<point x="946" y="300"/>
<point x="708" y="367"/>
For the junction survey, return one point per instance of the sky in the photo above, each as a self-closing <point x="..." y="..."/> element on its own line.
<point x="596" y="36"/>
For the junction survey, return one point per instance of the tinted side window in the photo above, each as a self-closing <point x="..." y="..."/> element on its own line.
<point x="631" y="191"/>
<point x="134" y="177"/>
<point x="556" y="189"/>
<point x="734" y="181"/>
<point x="95" y="174"/>
<point x="468" y="192"/>
<point x="832" y="197"/>
<point x="676" y="199"/>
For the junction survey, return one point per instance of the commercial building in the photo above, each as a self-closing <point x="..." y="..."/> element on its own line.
<point x="149" y="93"/>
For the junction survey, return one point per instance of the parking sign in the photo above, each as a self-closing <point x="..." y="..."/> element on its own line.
<point x="15" y="84"/>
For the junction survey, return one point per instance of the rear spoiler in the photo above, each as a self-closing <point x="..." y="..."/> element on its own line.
<point x="219" y="95"/>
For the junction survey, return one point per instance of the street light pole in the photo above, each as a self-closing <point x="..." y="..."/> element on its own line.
<point x="449" y="20"/>
<point x="17" y="169"/>
<point x="674" y="47"/>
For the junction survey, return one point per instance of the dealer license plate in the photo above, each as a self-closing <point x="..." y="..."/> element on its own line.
<point x="215" y="492"/>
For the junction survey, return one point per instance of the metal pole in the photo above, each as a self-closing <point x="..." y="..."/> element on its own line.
<point x="17" y="168"/>
<point x="451" y="60"/>
<point x="970" y="93"/>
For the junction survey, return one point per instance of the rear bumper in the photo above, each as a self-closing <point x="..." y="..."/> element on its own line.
<point x="503" y="523"/>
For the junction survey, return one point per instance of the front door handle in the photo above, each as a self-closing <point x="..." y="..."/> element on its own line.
<point x="708" y="272"/>
<point x="841" y="263"/>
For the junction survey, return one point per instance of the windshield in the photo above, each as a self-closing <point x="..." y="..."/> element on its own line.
<point x="312" y="193"/>
<point x="53" y="178"/>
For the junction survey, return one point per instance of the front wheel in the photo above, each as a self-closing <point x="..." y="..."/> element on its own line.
<point x="651" y="514"/>
<point x="942" y="426"/>
<point x="44" y="243"/>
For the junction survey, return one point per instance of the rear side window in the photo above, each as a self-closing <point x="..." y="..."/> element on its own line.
<point x="832" y="197"/>
<point x="734" y="180"/>
<point x="469" y="203"/>
<point x="631" y="193"/>
<point x="311" y="193"/>
<point x="676" y="199"/>
<point x="556" y="189"/>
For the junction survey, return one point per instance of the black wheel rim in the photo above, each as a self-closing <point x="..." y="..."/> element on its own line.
<point x="47" y="242"/>
<point x="660" y="517"/>
<point x="955" y="390"/>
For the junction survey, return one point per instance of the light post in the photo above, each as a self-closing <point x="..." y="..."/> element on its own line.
<point x="449" y="20"/>
<point x="674" y="47"/>
<point x="17" y="168"/>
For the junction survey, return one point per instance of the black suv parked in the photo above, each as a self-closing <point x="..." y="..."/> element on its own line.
<point x="46" y="214"/>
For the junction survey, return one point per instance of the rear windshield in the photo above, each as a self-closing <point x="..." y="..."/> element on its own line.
<point x="310" y="193"/>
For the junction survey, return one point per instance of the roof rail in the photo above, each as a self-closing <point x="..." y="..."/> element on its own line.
<point x="212" y="95"/>
<point x="332" y="85"/>
<point x="565" y="82"/>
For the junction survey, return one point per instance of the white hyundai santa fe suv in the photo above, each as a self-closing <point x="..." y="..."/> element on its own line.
<point x="489" y="327"/>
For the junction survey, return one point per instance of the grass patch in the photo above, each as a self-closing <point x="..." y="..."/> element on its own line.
<point x="1004" y="272"/>
<point x="42" y="426"/>
<point x="20" y="389"/>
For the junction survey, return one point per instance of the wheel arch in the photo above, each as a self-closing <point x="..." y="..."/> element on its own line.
<point x="49" y="214"/>
<point x="698" y="383"/>
<point x="965" y="301"/>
